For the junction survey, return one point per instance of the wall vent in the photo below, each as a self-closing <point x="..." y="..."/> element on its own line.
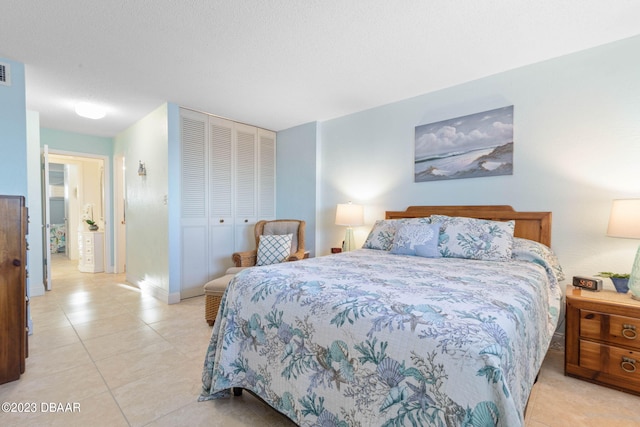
<point x="5" y="74"/>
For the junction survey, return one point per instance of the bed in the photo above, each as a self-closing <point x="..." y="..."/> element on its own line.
<point x="57" y="238"/>
<point x="381" y="337"/>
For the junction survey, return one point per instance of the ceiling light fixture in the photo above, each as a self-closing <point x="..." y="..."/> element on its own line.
<point x="90" y="111"/>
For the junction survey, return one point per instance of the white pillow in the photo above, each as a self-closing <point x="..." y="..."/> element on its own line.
<point x="274" y="248"/>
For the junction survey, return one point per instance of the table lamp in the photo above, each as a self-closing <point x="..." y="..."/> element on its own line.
<point x="350" y="215"/>
<point x="624" y="222"/>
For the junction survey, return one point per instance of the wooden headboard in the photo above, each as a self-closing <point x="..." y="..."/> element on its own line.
<point x="529" y="225"/>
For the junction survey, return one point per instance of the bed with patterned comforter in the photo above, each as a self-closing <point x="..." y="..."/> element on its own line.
<point x="370" y="338"/>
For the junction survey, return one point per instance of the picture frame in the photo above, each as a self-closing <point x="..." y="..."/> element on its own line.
<point x="472" y="146"/>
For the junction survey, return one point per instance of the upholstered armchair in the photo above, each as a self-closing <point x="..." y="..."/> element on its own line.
<point x="276" y="227"/>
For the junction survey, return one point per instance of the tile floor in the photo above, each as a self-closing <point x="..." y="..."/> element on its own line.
<point x="129" y="360"/>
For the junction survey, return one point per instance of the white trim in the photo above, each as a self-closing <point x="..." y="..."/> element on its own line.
<point x="148" y="288"/>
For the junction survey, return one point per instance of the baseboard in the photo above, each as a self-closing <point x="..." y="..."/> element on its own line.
<point x="148" y="288"/>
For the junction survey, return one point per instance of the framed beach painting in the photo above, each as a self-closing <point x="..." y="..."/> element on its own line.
<point x="472" y="146"/>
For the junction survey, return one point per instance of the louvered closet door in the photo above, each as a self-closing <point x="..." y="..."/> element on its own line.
<point x="266" y="174"/>
<point x="245" y="186"/>
<point x="194" y="220"/>
<point x="221" y="227"/>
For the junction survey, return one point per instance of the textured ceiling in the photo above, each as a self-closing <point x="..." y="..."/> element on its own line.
<point x="281" y="63"/>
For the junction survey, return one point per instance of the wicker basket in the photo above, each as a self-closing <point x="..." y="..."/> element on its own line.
<point x="213" y="292"/>
<point x="211" y="306"/>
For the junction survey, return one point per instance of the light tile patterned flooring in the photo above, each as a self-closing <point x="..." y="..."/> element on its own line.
<point x="130" y="360"/>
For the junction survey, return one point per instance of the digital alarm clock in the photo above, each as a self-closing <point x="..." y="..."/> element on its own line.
<point x="588" y="283"/>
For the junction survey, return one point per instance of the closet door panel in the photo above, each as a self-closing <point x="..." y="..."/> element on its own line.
<point x="245" y="188"/>
<point x="266" y="174"/>
<point x="193" y="133"/>
<point x="221" y="169"/>
<point x="221" y="238"/>
<point x="195" y="270"/>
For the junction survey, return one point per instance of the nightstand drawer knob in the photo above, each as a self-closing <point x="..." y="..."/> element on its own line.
<point x="628" y="365"/>
<point x="629" y="332"/>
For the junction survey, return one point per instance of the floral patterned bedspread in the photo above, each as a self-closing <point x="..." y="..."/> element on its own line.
<point x="57" y="238"/>
<point x="367" y="338"/>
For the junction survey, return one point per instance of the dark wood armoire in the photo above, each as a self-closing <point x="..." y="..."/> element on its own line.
<point x="13" y="290"/>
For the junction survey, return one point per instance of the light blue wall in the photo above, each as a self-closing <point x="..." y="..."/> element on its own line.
<point x="577" y="147"/>
<point x="76" y="142"/>
<point x="147" y="210"/>
<point x="296" y="178"/>
<point x="13" y="133"/>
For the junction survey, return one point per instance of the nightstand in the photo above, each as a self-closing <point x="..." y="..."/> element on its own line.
<point x="602" y="340"/>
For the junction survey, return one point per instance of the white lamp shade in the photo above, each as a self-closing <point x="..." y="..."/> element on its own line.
<point x="624" y="220"/>
<point x="349" y="214"/>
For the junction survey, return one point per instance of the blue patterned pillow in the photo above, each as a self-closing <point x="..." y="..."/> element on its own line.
<point x="474" y="238"/>
<point x="417" y="239"/>
<point x="384" y="230"/>
<point x="274" y="248"/>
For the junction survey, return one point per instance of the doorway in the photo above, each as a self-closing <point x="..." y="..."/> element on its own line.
<point x="76" y="189"/>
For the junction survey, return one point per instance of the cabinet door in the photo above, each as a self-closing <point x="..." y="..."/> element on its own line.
<point x="12" y="288"/>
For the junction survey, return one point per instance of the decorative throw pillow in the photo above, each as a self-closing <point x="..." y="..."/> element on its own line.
<point x="274" y="248"/>
<point x="381" y="235"/>
<point x="417" y="239"/>
<point x="474" y="238"/>
<point x="384" y="230"/>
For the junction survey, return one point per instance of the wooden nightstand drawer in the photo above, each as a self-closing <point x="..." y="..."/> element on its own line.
<point x="601" y="340"/>
<point x="614" y="361"/>
<point x="610" y="328"/>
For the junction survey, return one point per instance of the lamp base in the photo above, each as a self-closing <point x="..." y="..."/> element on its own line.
<point x="634" y="277"/>
<point x="349" y="242"/>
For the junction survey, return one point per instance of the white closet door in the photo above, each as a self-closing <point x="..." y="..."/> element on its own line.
<point x="245" y="186"/>
<point x="194" y="225"/>
<point x="227" y="184"/>
<point x="266" y="174"/>
<point x="193" y="129"/>
<point x="221" y="230"/>
<point x="221" y="170"/>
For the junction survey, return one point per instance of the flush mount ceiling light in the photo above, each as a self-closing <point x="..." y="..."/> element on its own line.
<point x="90" y="111"/>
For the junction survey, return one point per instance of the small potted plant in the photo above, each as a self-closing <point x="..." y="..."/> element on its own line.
<point x="87" y="216"/>
<point x="620" y="281"/>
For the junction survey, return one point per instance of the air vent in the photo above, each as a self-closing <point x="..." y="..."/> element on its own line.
<point x="5" y="74"/>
